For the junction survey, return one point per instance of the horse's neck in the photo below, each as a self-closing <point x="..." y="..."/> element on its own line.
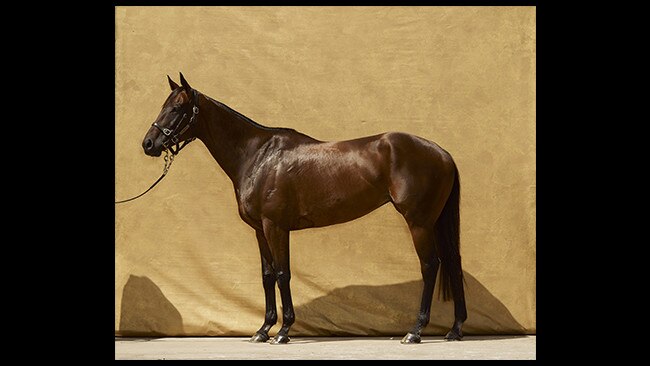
<point x="229" y="137"/>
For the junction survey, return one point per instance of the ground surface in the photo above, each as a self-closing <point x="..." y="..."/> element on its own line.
<point x="433" y="348"/>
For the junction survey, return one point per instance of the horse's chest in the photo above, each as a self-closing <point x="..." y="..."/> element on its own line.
<point x="264" y="197"/>
<point x="248" y="206"/>
<point x="251" y="199"/>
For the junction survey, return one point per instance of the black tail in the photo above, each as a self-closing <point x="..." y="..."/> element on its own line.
<point x="448" y="244"/>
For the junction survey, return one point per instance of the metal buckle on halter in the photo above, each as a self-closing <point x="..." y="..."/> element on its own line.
<point x="166" y="131"/>
<point x="195" y="110"/>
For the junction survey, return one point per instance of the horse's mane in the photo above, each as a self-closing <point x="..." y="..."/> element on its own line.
<point x="237" y="114"/>
<point x="246" y="119"/>
<point x="255" y="124"/>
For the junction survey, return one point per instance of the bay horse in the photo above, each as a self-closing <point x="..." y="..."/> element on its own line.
<point x="285" y="180"/>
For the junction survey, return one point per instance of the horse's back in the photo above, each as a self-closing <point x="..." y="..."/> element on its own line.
<point x="324" y="183"/>
<point x="396" y="151"/>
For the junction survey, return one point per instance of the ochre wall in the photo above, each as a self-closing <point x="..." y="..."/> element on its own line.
<point x="464" y="77"/>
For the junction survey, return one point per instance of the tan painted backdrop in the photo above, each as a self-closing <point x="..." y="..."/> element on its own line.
<point x="464" y="77"/>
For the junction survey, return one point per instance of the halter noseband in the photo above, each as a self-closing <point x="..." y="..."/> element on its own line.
<point x="174" y="134"/>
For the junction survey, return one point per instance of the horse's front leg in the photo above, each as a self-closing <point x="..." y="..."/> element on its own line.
<point x="278" y="241"/>
<point x="268" y="281"/>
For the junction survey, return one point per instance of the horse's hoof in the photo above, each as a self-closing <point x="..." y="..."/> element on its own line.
<point x="411" y="338"/>
<point x="259" y="338"/>
<point x="280" y="339"/>
<point x="453" y="336"/>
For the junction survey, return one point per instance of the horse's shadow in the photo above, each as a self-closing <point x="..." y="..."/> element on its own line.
<point x="357" y="310"/>
<point x="145" y="311"/>
<point x="392" y="309"/>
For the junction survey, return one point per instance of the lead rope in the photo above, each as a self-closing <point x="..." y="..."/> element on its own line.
<point x="168" y="163"/>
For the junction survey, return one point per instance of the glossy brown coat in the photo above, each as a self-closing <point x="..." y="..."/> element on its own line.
<point x="285" y="180"/>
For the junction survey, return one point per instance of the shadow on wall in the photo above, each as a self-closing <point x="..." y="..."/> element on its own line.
<point x="347" y="312"/>
<point x="146" y="311"/>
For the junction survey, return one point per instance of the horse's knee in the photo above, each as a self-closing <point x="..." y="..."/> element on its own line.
<point x="268" y="279"/>
<point x="283" y="277"/>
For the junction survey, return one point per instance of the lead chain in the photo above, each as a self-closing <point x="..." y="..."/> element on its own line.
<point x="168" y="161"/>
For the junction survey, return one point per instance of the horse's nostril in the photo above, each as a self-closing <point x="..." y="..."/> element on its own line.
<point x="148" y="144"/>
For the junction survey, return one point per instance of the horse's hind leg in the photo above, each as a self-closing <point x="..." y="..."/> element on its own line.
<point x="423" y="238"/>
<point x="453" y="265"/>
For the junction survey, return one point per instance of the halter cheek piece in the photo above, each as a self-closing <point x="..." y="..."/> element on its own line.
<point x="174" y="134"/>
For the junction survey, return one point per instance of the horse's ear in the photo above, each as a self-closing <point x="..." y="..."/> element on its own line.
<point x="172" y="84"/>
<point x="185" y="84"/>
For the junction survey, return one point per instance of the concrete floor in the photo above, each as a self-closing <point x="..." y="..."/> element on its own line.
<point x="431" y="348"/>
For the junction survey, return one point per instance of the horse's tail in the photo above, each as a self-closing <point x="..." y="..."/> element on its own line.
<point x="448" y="245"/>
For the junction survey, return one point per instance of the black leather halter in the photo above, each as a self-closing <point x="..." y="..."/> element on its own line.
<point x="176" y="133"/>
<point x="174" y="140"/>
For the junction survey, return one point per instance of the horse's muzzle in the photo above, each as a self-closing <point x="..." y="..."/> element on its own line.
<point x="150" y="147"/>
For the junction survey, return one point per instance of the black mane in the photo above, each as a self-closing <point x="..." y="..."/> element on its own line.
<point x="248" y="120"/>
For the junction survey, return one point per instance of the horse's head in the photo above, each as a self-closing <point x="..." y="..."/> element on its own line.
<point x="175" y="121"/>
